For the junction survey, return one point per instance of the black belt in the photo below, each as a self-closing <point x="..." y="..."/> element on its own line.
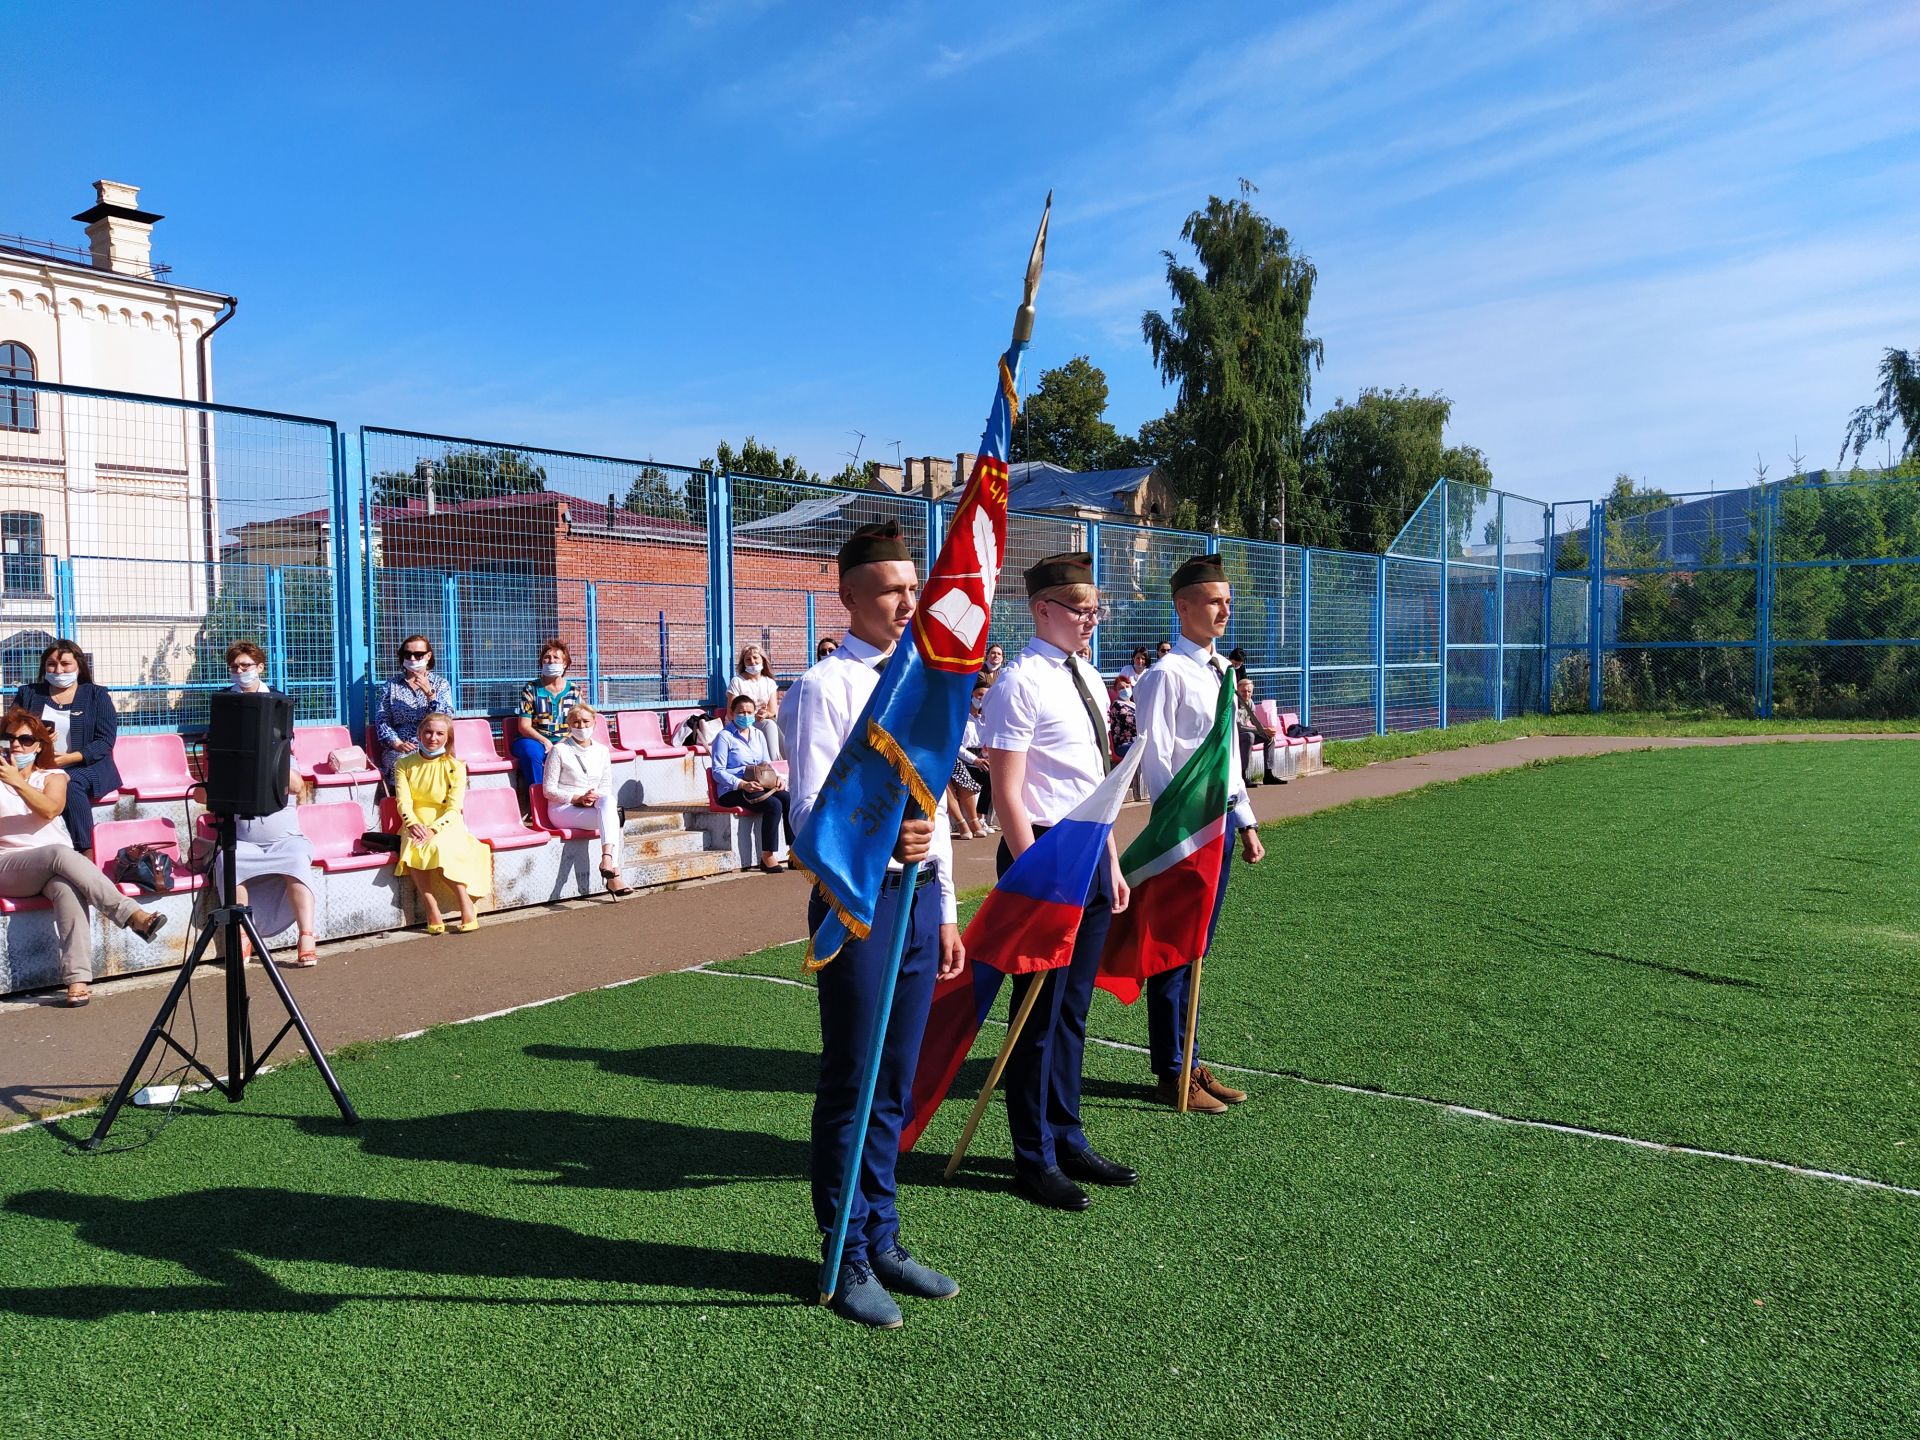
<point x="920" y="881"/>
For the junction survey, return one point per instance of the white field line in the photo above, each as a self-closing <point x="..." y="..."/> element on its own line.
<point x="1466" y="1111"/>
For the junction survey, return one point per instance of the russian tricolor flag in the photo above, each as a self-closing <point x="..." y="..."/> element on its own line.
<point x="1027" y="923"/>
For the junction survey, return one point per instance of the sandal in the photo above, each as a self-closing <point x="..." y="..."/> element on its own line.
<point x="616" y="887"/>
<point x="437" y="927"/>
<point x="78" y="994"/>
<point x="467" y="927"/>
<point x="147" y="923"/>
<point x="308" y="955"/>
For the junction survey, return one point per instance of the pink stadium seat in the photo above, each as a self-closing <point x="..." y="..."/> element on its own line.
<point x="311" y="746"/>
<point x="600" y="733"/>
<point x="153" y="767"/>
<point x="21" y="906"/>
<point x="493" y="816"/>
<point x="475" y="747"/>
<point x="713" y="799"/>
<point x="335" y="831"/>
<point x="545" y="822"/>
<point x="641" y="732"/>
<point x="110" y="837"/>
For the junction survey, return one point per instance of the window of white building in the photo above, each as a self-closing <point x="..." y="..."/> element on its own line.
<point x="19" y="409"/>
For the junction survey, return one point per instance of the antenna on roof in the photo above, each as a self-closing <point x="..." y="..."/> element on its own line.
<point x="854" y="454"/>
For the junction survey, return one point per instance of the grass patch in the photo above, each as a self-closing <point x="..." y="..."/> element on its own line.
<point x="1352" y="754"/>
<point x="590" y="1219"/>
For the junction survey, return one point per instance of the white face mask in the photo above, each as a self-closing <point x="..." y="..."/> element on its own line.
<point x="751" y="668"/>
<point x="553" y="669"/>
<point x="1123" y="693"/>
<point x="414" y="667"/>
<point x="582" y="734"/>
<point x="63" y="679"/>
<point x="247" y="679"/>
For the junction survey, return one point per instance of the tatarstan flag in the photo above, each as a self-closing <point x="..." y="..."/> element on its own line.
<point x="1173" y="867"/>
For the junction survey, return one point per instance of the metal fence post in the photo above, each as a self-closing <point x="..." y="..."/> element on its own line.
<point x="1093" y="549"/>
<point x="1446" y="551"/>
<point x="936" y="534"/>
<point x="1306" y="636"/>
<point x="593" y="643"/>
<point x="66" y="619"/>
<point x="666" y="690"/>
<point x="1380" y="649"/>
<point x="719" y="591"/>
<point x="1764" y="579"/>
<point x="1500" y="607"/>
<point x="1596" y="576"/>
<point x="353" y="584"/>
<point x="813" y="630"/>
<point x="450" y="592"/>
<point x="276" y="629"/>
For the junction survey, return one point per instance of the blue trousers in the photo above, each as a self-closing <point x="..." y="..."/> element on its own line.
<point x="531" y="757"/>
<point x="847" y="988"/>
<point x="1042" y="1078"/>
<point x="84" y="782"/>
<point x="1167" y="991"/>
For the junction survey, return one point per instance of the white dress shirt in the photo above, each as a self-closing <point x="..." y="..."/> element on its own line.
<point x="822" y="706"/>
<point x="1174" y="704"/>
<point x="1034" y="706"/>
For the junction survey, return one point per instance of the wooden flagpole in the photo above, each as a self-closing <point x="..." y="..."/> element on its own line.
<point x="999" y="1068"/>
<point x="1193" y="1018"/>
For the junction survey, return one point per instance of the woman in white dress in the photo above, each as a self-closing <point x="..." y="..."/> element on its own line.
<point x="581" y="795"/>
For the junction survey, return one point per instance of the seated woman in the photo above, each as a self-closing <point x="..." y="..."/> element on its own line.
<point x="963" y="786"/>
<point x="37" y="855"/>
<point x="578" y="782"/>
<point x="428" y="788"/>
<point x="84" y="729"/>
<point x="1137" y="665"/>
<point x="743" y="776"/>
<point x="544" y="705"/>
<point x="753" y="678"/>
<point x="405" y="699"/>
<point x="272" y="858"/>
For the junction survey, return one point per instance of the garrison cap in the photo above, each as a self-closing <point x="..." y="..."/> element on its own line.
<point x="873" y="543"/>
<point x="1198" y="571"/>
<point x="1075" y="567"/>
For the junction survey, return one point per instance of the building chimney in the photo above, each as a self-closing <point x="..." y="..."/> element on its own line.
<point x="120" y="233"/>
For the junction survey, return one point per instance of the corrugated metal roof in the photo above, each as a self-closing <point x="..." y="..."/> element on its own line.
<point x="1042" y="485"/>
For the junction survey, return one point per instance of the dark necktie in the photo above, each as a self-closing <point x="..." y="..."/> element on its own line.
<point x="1093" y="714"/>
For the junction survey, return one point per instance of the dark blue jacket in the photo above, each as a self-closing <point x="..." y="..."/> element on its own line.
<point x="93" y="729"/>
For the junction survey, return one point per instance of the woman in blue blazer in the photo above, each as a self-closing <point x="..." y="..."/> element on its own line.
<point x="84" y="729"/>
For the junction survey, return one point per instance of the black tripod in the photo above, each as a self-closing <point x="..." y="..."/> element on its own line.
<point x="231" y="921"/>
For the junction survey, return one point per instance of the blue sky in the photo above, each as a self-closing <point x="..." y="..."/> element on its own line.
<point x="1641" y="237"/>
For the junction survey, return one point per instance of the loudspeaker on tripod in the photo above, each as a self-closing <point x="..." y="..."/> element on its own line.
<point x="249" y="752"/>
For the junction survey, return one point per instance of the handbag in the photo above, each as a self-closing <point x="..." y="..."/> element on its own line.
<point x="348" y="760"/>
<point x="765" y="776"/>
<point x="384" y="841"/>
<point x="148" y="866"/>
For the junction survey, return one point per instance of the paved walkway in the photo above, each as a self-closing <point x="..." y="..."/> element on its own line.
<point x="54" y="1059"/>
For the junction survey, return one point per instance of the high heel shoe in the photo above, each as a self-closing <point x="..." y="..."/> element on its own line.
<point x="616" y="887"/>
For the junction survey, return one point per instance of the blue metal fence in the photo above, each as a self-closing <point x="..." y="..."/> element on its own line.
<point x="156" y="532"/>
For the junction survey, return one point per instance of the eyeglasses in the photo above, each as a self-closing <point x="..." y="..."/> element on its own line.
<point x="245" y="669"/>
<point x="1086" y="615"/>
<point x="17" y="741"/>
<point x="416" y="654"/>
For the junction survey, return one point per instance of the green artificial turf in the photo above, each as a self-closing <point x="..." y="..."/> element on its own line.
<point x="1352" y="754"/>
<point x="591" y="1218"/>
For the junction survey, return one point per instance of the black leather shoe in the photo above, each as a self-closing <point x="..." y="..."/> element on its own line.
<point x="1095" y="1168"/>
<point x="1052" y="1188"/>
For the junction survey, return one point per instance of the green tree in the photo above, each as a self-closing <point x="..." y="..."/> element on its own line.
<point x="1366" y="466"/>
<point x="761" y="461"/>
<point x="1898" y="404"/>
<point x="1236" y="345"/>
<point x="654" y="492"/>
<point x="460" y="475"/>
<point x="1064" y="420"/>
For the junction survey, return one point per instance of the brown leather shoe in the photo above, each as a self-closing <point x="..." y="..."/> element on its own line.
<point x="1204" y="1078"/>
<point x="1199" y="1101"/>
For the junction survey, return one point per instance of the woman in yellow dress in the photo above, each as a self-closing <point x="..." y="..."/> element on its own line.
<point x="428" y="787"/>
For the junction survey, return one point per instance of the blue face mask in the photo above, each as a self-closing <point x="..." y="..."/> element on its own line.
<point x="24" y="760"/>
<point x="62" y="680"/>
<point x="433" y="752"/>
<point x="743" y="723"/>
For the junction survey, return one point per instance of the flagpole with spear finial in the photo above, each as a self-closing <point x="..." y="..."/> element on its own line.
<point x="909" y="879"/>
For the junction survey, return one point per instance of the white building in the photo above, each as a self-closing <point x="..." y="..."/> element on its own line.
<point x="126" y="492"/>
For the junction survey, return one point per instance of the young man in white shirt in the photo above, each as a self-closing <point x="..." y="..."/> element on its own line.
<point x="1175" y="704"/>
<point x="880" y="588"/>
<point x="1045" y="732"/>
